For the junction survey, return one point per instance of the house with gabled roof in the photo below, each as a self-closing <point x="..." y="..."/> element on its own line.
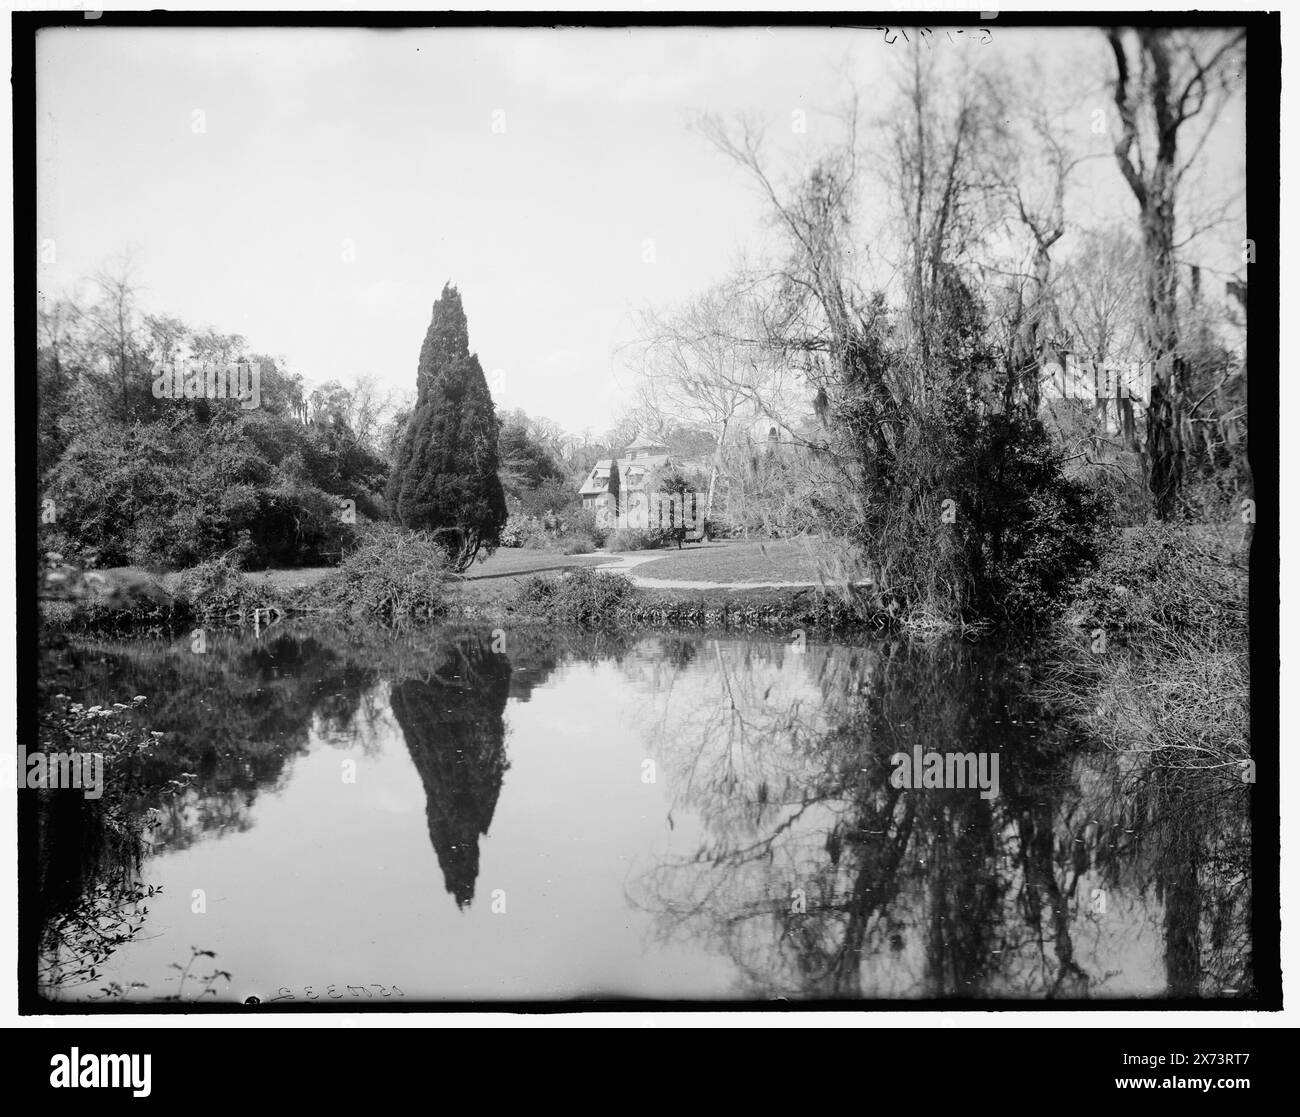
<point x="619" y="489"/>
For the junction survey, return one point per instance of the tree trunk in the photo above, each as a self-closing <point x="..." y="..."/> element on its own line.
<point x="1164" y="450"/>
<point x="713" y="473"/>
<point x="1147" y="84"/>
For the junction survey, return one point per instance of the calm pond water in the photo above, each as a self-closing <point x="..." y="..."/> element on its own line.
<point x="459" y="815"/>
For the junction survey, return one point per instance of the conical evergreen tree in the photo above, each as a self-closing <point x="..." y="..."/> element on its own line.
<point x="615" y="490"/>
<point x="444" y="480"/>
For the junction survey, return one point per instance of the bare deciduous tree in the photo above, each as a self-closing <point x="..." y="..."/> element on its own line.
<point x="115" y="318"/>
<point x="706" y="368"/>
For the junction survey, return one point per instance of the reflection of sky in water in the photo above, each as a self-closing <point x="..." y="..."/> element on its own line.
<point x="768" y="784"/>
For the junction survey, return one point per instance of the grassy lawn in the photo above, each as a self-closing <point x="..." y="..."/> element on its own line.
<point x="517" y="560"/>
<point x="288" y="579"/>
<point x="506" y="563"/>
<point x="489" y="587"/>
<point x="497" y="578"/>
<point x="775" y="560"/>
<point x="731" y="560"/>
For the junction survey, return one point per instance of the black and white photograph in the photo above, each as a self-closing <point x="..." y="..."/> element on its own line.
<point x="755" y="513"/>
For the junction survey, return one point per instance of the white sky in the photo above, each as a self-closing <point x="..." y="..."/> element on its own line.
<point x="384" y="139"/>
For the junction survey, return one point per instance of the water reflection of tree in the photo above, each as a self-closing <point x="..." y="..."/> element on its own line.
<point x="234" y="716"/>
<point x="1194" y="852"/>
<point x="87" y="896"/>
<point x="452" y="719"/>
<point x="230" y="719"/>
<point x="929" y="893"/>
<point x="237" y="714"/>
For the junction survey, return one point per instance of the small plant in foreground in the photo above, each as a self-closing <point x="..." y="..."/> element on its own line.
<point x="582" y="597"/>
<point x="392" y="574"/>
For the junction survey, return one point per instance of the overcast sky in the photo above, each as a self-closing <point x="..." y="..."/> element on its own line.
<point x="317" y="145"/>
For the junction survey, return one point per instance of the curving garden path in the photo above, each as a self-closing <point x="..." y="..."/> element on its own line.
<point x="625" y="563"/>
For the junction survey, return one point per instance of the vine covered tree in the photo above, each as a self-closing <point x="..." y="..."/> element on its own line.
<point x="444" y="479"/>
<point x="1162" y="81"/>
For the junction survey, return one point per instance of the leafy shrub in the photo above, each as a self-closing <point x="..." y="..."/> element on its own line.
<point x="976" y="519"/>
<point x="522" y="530"/>
<point x="681" y="503"/>
<point x="218" y="587"/>
<point x="635" y="539"/>
<point x="178" y="492"/>
<point x="551" y="531"/>
<point x="1175" y="688"/>
<point x="67" y="726"/>
<point x="584" y="523"/>
<point x="89" y="900"/>
<point x="555" y="497"/>
<point x="93" y="599"/>
<point x="1162" y="576"/>
<point x="577" y="546"/>
<point x="392" y="573"/>
<point x="582" y="597"/>
<point x="1026" y="532"/>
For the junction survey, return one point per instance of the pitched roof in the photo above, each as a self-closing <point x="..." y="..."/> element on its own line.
<point x="642" y="466"/>
<point x="632" y="473"/>
<point x="598" y="479"/>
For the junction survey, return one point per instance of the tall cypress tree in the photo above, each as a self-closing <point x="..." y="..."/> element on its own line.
<point x="614" y="488"/>
<point x="444" y="480"/>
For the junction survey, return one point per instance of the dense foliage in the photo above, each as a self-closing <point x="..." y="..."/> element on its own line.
<point x="962" y="504"/>
<point x="127" y="476"/>
<point x="527" y="466"/>
<point x="582" y="597"/>
<point x="390" y="575"/>
<point x="180" y="490"/>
